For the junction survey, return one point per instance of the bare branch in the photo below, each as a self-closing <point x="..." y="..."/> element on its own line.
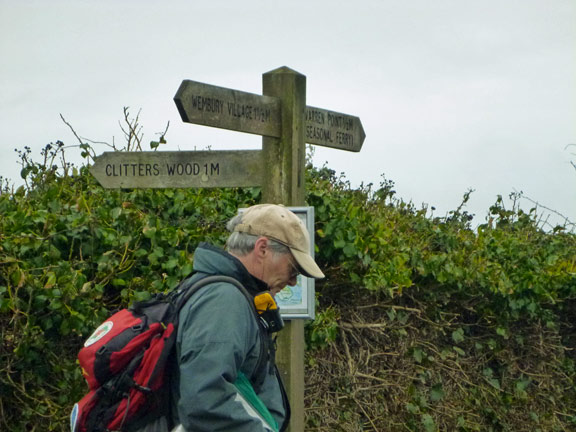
<point x="72" y="129"/>
<point x="163" y="134"/>
<point x="134" y="130"/>
<point x="112" y="146"/>
<point x="567" y="222"/>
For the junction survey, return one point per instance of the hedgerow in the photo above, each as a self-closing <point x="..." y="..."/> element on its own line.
<point x="428" y="323"/>
<point x="423" y="323"/>
<point x="70" y="253"/>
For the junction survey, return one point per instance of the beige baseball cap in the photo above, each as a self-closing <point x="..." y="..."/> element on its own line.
<point x="278" y="223"/>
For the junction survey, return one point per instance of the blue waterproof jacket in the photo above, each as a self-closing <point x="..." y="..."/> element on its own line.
<point x="219" y="336"/>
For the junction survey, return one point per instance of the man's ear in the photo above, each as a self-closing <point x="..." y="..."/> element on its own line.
<point x="261" y="247"/>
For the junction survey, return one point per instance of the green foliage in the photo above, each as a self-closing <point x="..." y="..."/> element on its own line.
<point x="323" y="330"/>
<point x="508" y="268"/>
<point x="71" y="252"/>
<point x="423" y="323"/>
<point x="477" y="320"/>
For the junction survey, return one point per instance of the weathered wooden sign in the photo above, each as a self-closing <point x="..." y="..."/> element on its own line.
<point x="225" y="108"/>
<point x="333" y="129"/>
<point x="179" y="169"/>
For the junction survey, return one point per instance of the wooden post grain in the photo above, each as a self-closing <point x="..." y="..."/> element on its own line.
<point x="284" y="183"/>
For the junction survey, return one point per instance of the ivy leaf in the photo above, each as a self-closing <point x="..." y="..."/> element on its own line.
<point x="494" y="383"/>
<point x="349" y="250"/>
<point x="458" y="335"/>
<point x="436" y="392"/>
<point x="428" y="422"/>
<point x="25" y="171"/>
<point x="170" y="264"/>
<point x="458" y="350"/>
<point x="412" y="409"/>
<point x="51" y="280"/>
<point x="501" y="331"/>
<point x="339" y="243"/>
<point x="141" y="296"/>
<point x="116" y="212"/>
<point x="417" y="354"/>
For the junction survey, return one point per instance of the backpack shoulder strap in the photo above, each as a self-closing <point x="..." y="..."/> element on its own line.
<point x="189" y="291"/>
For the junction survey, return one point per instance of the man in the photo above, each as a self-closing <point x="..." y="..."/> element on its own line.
<point x="220" y="340"/>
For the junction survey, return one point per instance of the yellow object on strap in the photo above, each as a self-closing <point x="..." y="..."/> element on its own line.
<point x="264" y="302"/>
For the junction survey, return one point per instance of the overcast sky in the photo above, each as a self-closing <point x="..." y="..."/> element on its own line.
<point x="452" y="94"/>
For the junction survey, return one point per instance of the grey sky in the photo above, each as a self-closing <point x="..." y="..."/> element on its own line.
<point x="452" y="94"/>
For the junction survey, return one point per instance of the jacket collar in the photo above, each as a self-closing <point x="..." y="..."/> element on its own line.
<point x="213" y="260"/>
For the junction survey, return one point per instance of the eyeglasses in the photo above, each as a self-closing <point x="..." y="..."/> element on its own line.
<point x="295" y="271"/>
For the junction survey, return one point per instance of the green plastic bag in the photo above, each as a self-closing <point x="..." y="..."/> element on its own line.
<point x="252" y="403"/>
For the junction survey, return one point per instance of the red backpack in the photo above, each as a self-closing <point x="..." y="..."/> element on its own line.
<point x="125" y="362"/>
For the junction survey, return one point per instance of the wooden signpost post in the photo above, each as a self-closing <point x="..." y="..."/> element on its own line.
<point x="281" y="116"/>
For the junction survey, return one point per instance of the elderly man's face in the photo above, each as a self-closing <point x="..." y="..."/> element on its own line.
<point x="279" y="270"/>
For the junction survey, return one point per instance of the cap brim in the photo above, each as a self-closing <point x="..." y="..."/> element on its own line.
<point x="307" y="265"/>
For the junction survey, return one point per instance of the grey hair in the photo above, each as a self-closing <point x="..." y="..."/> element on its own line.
<point x="242" y="244"/>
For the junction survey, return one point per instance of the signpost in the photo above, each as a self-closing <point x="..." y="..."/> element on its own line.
<point x="179" y="169"/>
<point x="281" y="116"/>
<point x="224" y="108"/>
<point x="284" y="161"/>
<point x="332" y="129"/>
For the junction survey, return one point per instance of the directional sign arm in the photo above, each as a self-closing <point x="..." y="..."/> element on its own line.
<point x="180" y="169"/>
<point x="333" y="129"/>
<point x="225" y="108"/>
